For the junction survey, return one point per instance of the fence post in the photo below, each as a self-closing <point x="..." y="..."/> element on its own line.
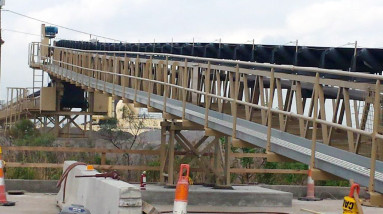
<point x="162" y="153"/>
<point x="103" y="158"/>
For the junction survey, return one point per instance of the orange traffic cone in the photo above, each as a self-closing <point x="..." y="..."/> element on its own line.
<point x="182" y="191"/>
<point x="3" y="195"/>
<point x="310" y="189"/>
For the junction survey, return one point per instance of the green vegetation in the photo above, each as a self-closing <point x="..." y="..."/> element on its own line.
<point x="23" y="130"/>
<point x="153" y="176"/>
<point x="269" y="178"/>
<point x="282" y="179"/>
<point x="25" y="134"/>
<point x="274" y="179"/>
<point x="333" y="183"/>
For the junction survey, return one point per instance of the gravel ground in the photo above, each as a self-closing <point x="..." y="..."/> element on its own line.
<point x="38" y="203"/>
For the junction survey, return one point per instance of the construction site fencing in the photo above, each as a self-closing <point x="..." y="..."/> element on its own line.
<point x="54" y="157"/>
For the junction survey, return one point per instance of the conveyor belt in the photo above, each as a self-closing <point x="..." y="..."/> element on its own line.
<point x="366" y="60"/>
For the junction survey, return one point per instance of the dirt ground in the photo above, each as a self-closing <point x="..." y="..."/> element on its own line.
<point x="31" y="203"/>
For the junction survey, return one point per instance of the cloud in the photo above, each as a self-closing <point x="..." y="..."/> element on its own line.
<point x="337" y="22"/>
<point x="273" y="22"/>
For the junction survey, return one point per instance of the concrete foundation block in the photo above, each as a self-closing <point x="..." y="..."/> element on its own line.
<point x="246" y="196"/>
<point x="99" y="195"/>
<point x="324" y="192"/>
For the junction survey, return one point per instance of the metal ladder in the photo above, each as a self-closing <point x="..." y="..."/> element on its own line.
<point x="38" y="81"/>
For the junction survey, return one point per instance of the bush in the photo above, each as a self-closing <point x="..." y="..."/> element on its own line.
<point x="153" y="176"/>
<point x="23" y="129"/>
<point x="23" y="133"/>
<point x="282" y="179"/>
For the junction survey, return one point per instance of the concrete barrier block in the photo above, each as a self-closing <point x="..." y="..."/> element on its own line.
<point x="99" y="195"/>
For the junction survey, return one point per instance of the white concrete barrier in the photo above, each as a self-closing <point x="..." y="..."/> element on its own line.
<point x="99" y="195"/>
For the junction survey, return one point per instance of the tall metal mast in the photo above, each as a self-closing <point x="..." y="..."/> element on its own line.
<point x="2" y="2"/>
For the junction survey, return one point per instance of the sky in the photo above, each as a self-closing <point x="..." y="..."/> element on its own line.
<point x="316" y="23"/>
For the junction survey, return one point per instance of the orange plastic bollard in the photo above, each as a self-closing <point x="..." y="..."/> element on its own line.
<point x="310" y="196"/>
<point x="3" y="194"/>
<point x="182" y="191"/>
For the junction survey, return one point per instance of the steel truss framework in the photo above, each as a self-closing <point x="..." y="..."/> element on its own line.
<point x="22" y="104"/>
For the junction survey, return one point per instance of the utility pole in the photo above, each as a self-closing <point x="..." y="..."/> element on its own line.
<point x="1" y="38"/>
<point x="2" y="2"/>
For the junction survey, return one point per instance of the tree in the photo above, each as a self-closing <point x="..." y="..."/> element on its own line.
<point x="23" y="129"/>
<point x="135" y="123"/>
<point x="111" y="131"/>
<point x="123" y="134"/>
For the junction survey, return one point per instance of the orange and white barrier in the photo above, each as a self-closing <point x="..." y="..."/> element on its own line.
<point x="182" y="191"/>
<point x="3" y="194"/>
<point x="310" y="189"/>
<point x="310" y="186"/>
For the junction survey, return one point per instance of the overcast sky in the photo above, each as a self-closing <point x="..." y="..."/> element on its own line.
<point x="318" y="23"/>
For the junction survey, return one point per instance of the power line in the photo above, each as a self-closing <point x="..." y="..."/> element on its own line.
<point x="61" y="26"/>
<point x="112" y="39"/>
<point x="21" y="32"/>
<point x="25" y="33"/>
